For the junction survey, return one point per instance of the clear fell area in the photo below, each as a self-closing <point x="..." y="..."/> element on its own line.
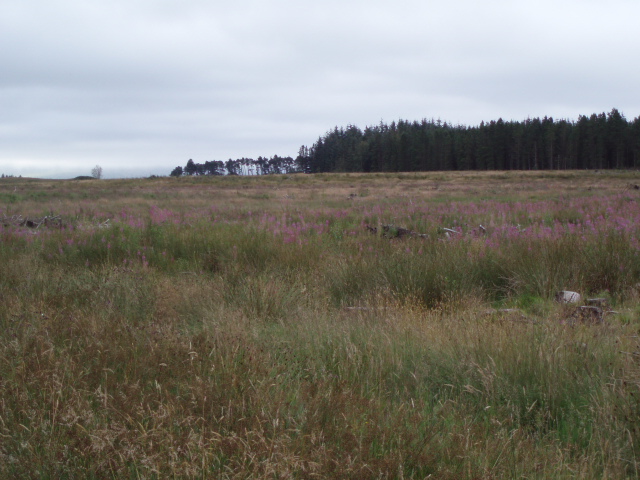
<point x="288" y="326"/>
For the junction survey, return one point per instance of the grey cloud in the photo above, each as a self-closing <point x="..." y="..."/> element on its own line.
<point x="162" y="81"/>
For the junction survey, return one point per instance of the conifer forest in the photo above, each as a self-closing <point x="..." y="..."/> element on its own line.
<point x="599" y="141"/>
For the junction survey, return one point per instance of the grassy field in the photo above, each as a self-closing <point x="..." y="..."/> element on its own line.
<point x="255" y="327"/>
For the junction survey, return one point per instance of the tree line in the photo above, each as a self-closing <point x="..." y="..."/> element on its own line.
<point x="600" y="141"/>
<point x="242" y="166"/>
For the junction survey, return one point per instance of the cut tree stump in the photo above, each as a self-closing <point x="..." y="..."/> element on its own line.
<point x="566" y="296"/>
<point x="588" y="315"/>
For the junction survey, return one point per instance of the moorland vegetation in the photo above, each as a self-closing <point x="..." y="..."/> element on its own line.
<point x="237" y="327"/>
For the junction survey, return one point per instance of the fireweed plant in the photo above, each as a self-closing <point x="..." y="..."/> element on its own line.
<point x="235" y="328"/>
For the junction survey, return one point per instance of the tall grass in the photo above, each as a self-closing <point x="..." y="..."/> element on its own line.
<point x="236" y="343"/>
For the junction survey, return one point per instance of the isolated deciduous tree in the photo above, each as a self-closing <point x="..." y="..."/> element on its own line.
<point x="96" y="172"/>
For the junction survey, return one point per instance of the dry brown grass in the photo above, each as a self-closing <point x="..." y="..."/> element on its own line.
<point x="239" y="358"/>
<point x="305" y="191"/>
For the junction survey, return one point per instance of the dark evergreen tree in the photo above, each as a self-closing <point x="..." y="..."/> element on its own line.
<point x="190" y="168"/>
<point x="598" y="141"/>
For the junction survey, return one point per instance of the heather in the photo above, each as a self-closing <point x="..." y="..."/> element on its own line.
<point x="255" y="327"/>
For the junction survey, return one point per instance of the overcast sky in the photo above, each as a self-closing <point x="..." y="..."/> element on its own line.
<point x="141" y="86"/>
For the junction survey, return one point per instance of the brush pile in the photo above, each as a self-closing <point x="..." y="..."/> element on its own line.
<point x="48" y="221"/>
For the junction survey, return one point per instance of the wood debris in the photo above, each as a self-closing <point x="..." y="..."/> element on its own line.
<point x="587" y="314"/>
<point x="392" y="231"/>
<point x="49" y="221"/>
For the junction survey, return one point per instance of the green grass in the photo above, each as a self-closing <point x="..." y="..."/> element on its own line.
<point x="212" y="348"/>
